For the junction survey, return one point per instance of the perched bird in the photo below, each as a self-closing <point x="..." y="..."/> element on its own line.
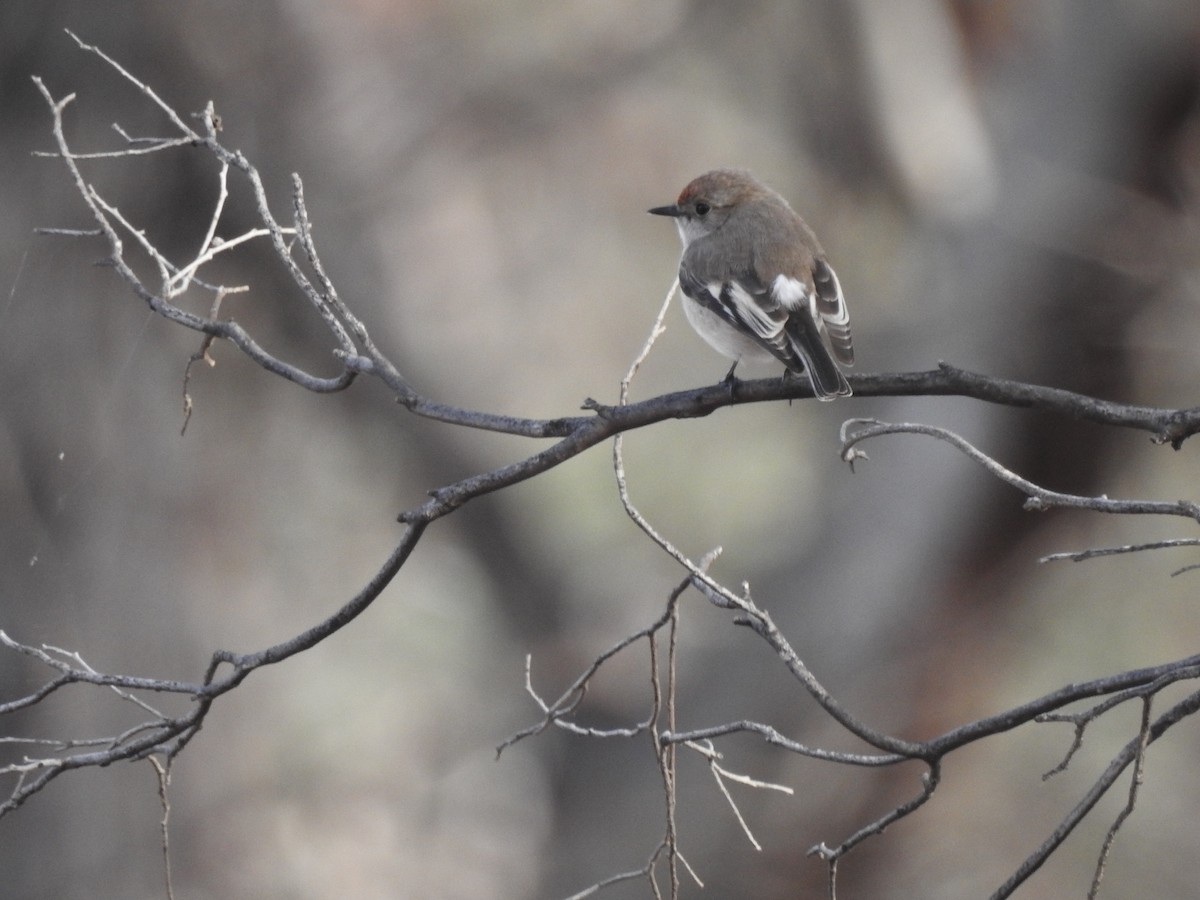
<point x="755" y="280"/>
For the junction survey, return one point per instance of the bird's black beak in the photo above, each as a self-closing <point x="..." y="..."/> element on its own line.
<point x="672" y="210"/>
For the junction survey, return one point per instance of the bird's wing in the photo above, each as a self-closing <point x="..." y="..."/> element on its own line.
<point x="782" y="318"/>
<point x="748" y="305"/>
<point x="830" y="312"/>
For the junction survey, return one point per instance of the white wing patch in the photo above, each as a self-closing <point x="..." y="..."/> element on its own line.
<point x="747" y="309"/>
<point x="791" y="294"/>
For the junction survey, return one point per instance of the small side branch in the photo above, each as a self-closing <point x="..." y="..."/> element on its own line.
<point x="855" y="431"/>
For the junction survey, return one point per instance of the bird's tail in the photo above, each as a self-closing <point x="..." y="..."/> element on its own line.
<point x="827" y="379"/>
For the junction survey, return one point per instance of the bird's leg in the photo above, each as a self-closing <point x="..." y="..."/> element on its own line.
<point x="730" y="381"/>
<point x="787" y="376"/>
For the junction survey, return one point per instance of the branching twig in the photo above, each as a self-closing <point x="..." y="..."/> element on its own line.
<point x="661" y="701"/>
<point x="569" y="700"/>
<point x="1186" y="707"/>
<point x="720" y="774"/>
<point x="855" y="431"/>
<point x="1135" y="783"/>
<point x="1082" y="719"/>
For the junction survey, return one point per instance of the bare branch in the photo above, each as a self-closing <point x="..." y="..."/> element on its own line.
<point x="1134" y="784"/>
<point x="1172" y="426"/>
<point x="569" y="700"/>
<point x="162" y="773"/>
<point x="1144" y="692"/>
<point x="854" y="431"/>
<point x="773" y="737"/>
<point x="929" y="783"/>
<point x="1128" y="754"/>
<point x="708" y="750"/>
<point x="1080" y="555"/>
<point x="720" y="774"/>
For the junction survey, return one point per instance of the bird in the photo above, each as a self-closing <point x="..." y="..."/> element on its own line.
<point x="756" y="284"/>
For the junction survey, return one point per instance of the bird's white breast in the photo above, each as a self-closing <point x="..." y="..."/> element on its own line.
<point x="722" y="336"/>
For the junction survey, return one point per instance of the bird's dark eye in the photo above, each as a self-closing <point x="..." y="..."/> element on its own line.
<point x="702" y="208"/>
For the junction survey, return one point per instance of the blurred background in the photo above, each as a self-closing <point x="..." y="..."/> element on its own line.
<point x="1009" y="186"/>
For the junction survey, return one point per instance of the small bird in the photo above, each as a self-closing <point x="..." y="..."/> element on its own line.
<point x="755" y="280"/>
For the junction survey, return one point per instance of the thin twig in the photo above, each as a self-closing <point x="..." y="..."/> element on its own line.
<point x="1095" y="552"/>
<point x="1135" y="783"/>
<point x="162" y="772"/>
<point x="854" y="431"/>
